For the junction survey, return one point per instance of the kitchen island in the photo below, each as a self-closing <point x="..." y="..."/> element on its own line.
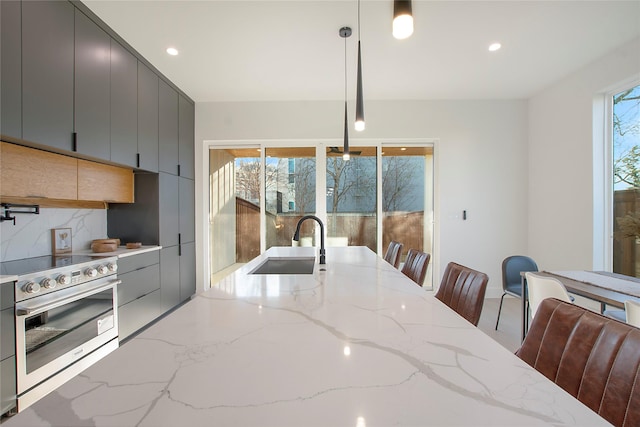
<point x="355" y="343"/>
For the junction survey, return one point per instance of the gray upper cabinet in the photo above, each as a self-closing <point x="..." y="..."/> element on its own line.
<point x="92" y="88"/>
<point x="186" y="136"/>
<point x="47" y="73"/>
<point x="11" y="73"/>
<point x="147" y="118"/>
<point x="168" y="137"/>
<point x="124" y="106"/>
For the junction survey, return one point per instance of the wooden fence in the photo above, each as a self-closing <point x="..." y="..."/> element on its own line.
<point x="626" y="253"/>
<point x="360" y="229"/>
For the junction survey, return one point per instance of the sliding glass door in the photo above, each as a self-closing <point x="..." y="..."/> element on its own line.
<point x="258" y="193"/>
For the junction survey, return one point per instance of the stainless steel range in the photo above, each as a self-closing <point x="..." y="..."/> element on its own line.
<point x="66" y="319"/>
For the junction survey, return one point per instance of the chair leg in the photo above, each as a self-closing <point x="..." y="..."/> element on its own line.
<point x="500" y="309"/>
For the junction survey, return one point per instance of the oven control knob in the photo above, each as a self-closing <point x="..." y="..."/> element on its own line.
<point x="91" y="272"/>
<point x="102" y="269"/>
<point x="31" y="288"/>
<point x="63" y="280"/>
<point x="112" y="267"/>
<point x="48" y="283"/>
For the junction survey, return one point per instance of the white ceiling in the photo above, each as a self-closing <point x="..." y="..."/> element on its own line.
<point x="290" y="50"/>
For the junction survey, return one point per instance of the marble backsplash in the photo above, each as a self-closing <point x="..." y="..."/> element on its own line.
<point x="31" y="236"/>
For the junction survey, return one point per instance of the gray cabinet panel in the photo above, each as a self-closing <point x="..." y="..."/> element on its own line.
<point x="186" y="133"/>
<point x="11" y="71"/>
<point x="147" y="118"/>
<point x="187" y="210"/>
<point x="138" y="313"/>
<point x="138" y="283"/>
<point x="47" y="72"/>
<point x="92" y="87"/>
<point x="170" y="277"/>
<point x="7" y="385"/>
<point x="124" y="105"/>
<point x="136" y="262"/>
<point x="168" y="129"/>
<point x="168" y="209"/>
<point x="6" y="295"/>
<point x="7" y="333"/>
<point x="187" y="270"/>
<point x="137" y="222"/>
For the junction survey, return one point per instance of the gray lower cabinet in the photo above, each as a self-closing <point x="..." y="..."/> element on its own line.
<point x="177" y="274"/>
<point x="170" y="277"/>
<point x="7" y="349"/>
<point x="139" y="293"/>
<point x="187" y="270"/>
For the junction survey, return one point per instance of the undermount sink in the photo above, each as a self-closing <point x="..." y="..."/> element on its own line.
<point x="286" y="265"/>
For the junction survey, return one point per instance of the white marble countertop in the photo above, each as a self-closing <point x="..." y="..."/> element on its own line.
<point x="121" y="252"/>
<point x="358" y="344"/>
<point x="8" y="278"/>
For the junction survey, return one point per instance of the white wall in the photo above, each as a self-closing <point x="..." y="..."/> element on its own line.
<point x="31" y="236"/>
<point x="566" y="193"/>
<point x="481" y="164"/>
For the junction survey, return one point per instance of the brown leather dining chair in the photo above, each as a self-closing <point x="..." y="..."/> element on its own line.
<point x="462" y="289"/>
<point x="594" y="358"/>
<point x="415" y="266"/>
<point x="394" y="253"/>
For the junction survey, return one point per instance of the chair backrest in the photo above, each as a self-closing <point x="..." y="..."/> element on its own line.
<point x="415" y="266"/>
<point x="512" y="266"/>
<point x="632" y="313"/>
<point x="542" y="287"/>
<point x="394" y="253"/>
<point x="593" y="357"/>
<point x="463" y="289"/>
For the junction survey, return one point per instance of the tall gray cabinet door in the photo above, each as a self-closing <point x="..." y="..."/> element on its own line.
<point x="11" y="73"/>
<point x="187" y="270"/>
<point x="147" y="118"/>
<point x="47" y="72"/>
<point x="92" y="87"/>
<point x="187" y="210"/>
<point x="170" y="277"/>
<point x="168" y="136"/>
<point x="168" y="209"/>
<point x="124" y="105"/>
<point x="186" y="148"/>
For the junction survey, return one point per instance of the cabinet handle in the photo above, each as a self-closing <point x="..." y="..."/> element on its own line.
<point x="74" y="139"/>
<point x="137" y="160"/>
<point x="178" y="170"/>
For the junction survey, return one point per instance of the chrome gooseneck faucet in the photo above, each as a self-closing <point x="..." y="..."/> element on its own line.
<point x="296" y="235"/>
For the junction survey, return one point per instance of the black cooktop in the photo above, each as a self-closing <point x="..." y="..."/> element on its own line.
<point x="24" y="266"/>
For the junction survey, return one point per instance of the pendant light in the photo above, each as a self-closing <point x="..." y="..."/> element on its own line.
<point x="402" y="19"/>
<point x="359" y="125"/>
<point x="344" y="33"/>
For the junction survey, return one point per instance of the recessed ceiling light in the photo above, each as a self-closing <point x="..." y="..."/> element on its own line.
<point x="172" y="51"/>
<point x="494" y="46"/>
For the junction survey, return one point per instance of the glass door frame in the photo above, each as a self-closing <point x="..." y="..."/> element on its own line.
<point x="321" y="206"/>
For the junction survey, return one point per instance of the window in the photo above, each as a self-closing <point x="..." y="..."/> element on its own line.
<point x="626" y="182"/>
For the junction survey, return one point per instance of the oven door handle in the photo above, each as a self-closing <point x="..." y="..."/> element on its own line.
<point x="27" y="310"/>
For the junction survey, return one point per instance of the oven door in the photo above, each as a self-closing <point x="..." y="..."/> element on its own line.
<point x="54" y="331"/>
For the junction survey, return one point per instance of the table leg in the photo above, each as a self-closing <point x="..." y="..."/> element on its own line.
<point x="523" y="290"/>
